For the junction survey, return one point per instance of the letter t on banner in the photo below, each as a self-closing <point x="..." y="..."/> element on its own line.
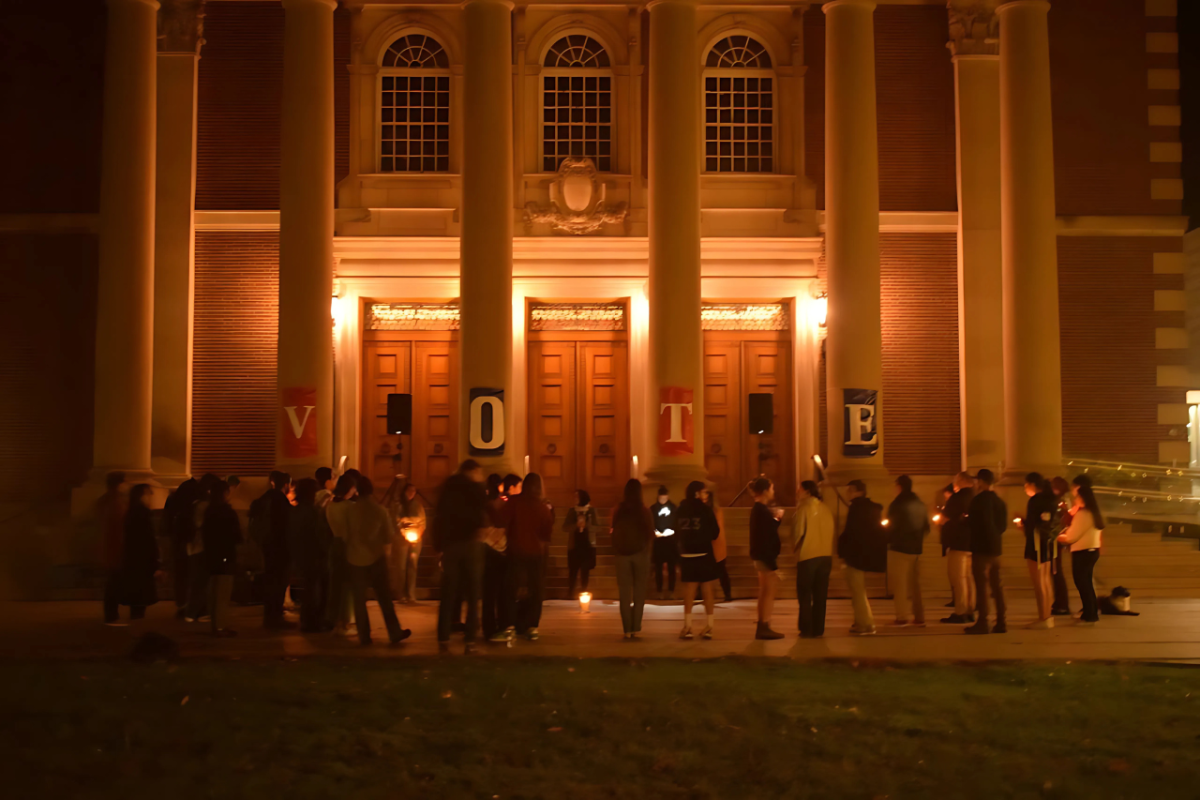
<point x="676" y="431"/>
<point x="299" y="422"/>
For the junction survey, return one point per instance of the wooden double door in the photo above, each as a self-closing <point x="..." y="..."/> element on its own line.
<point x="424" y="365"/>
<point x="736" y="365"/>
<point x="579" y="416"/>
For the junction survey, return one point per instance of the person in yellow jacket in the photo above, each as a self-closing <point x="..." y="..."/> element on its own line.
<point x="813" y="547"/>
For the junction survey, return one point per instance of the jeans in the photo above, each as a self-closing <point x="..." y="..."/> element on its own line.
<point x="958" y="564"/>
<point x="376" y="576"/>
<point x="340" y="606"/>
<point x="462" y="577"/>
<point x="986" y="571"/>
<point x="529" y="614"/>
<point x="405" y="559"/>
<point x="812" y="591"/>
<point x="197" y="605"/>
<point x="904" y="575"/>
<point x="1083" y="567"/>
<point x="723" y="577"/>
<point x="864" y="620"/>
<point x="220" y="588"/>
<point x="492" y="608"/>
<point x="633" y="574"/>
<point x="1062" y="564"/>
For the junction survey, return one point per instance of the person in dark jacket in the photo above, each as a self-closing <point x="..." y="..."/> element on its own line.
<point x="666" y="544"/>
<point x="529" y="524"/>
<point x="139" y="558"/>
<point x="632" y="539"/>
<point x="764" y="552"/>
<point x="907" y="524"/>
<point x="269" y="515"/>
<point x="956" y="539"/>
<point x="697" y="529"/>
<point x="222" y="533"/>
<point x="309" y="548"/>
<point x="494" y="562"/>
<point x="987" y="517"/>
<point x="580" y="527"/>
<point x="863" y="546"/>
<point x="1062" y="553"/>
<point x="457" y="534"/>
<point x="1041" y="531"/>
<point x="177" y="527"/>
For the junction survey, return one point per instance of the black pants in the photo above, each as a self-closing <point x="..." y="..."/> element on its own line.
<point x="462" y="576"/>
<point x="665" y="555"/>
<point x="812" y="590"/>
<point x="529" y="613"/>
<point x="1062" y="597"/>
<point x="985" y="570"/>
<point x="197" y="593"/>
<point x="276" y="576"/>
<point x="179" y="576"/>
<point x="492" y="608"/>
<point x="1083" y="567"/>
<point x="723" y="577"/>
<point x="579" y="563"/>
<point x="112" y="599"/>
<point x="375" y="576"/>
<point x="315" y="599"/>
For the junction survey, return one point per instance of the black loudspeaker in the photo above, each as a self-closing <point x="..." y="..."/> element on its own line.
<point x="399" y="419"/>
<point x="762" y="413"/>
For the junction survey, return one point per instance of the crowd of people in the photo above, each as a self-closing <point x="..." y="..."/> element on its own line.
<point x="326" y="542"/>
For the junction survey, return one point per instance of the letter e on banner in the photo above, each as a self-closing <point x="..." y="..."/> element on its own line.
<point x="486" y="429"/>
<point x="298" y="422"/>
<point x="676" y="431"/>
<point x="858" y="420"/>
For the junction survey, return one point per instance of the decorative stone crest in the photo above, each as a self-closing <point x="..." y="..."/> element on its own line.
<point x="577" y="201"/>
<point x="180" y="26"/>
<point x="974" y="28"/>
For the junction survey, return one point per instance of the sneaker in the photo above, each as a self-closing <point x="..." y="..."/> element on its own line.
<point x="502" y="636"/>
<point x="856" y="631"/>
<point x="1041" y="624"/>
<point x="977" y="629"/>
<point x="955" y="619"/>
<point x="1060" y="612"/>
<point x="899" y="623"/>
<point x="707" y="633"/>
<point x="404" y="634"/>
<point x="764" y="632"/>
<point x="686" y="633"/>
<point x="1086" y="623"/>
<point x="533" y="634"/>
<point x="117" y="623"/>
<point x="1000" y="627"/>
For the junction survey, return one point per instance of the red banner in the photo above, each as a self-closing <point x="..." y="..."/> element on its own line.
<point x="676" y="431"/>
<point x="298" y="418"/>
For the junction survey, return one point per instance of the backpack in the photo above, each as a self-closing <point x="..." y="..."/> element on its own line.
<point x="629" y="534"/>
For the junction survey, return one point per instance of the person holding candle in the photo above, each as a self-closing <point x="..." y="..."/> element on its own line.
<point x="580" y="527"/>
<point x="698" y="529"/>
<point x="409" y="513"/>
<point x="632" y="540"/>
<point x="666" y="546"/>
<point x="863" y="548"/>
<point x="1084" y="536"/>
<point x="1040" y="526"/>
<point x="908" y="524"/>
<point x="1062" y="554"/>
<point x="987" y="517"/>
<point x="956" y="539"/>
<point x="813" y="548"/>
<point x="764" y="551"/>
<point x="529" y="525"/>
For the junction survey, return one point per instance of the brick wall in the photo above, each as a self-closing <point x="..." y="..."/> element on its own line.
<point x="1109" y="358"/>
<point x="52" y="93"/>
<point x="921" y="419"/>
<point x="47" y="324"/>
<point x="234" y="352"/>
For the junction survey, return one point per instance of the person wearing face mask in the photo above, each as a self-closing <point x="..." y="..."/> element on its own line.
<point x="666" y="546"/>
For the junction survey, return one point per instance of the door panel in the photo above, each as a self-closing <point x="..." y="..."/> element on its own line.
<point x="767" y="370"/>
<point x="387" y="369"/>
<point x="722" y="418"/>
<point x="604" y="410"/>
<point x="552" y="434"/>
<point x="435" y="414"/>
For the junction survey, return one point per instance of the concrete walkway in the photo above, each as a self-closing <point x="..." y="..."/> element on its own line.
<point x="1167" y="630"/>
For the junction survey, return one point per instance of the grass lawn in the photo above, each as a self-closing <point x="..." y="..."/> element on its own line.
<point x="463" y="728"/>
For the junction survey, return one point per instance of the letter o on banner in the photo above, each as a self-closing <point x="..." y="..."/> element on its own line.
<point x="486" y="430"/>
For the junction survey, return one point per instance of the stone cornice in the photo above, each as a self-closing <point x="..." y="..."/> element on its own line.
<point x="181" y="26"/>
<point x="974" y="28"/>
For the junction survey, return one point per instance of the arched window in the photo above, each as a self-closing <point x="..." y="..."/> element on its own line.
<point x="414" y="107"/>
<point x="577" y="103"/>
<point x="739" y="107"/>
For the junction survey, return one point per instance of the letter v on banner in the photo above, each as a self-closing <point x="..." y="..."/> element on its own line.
<point x="676" y="430"/>
<point x="298" y="421"/>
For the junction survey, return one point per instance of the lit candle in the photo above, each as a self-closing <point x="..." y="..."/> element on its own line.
<point x="585" y="601"/>
<point x="937" y="517"/>
<point x="411" y="534"/>
<point x="884" y="523"/>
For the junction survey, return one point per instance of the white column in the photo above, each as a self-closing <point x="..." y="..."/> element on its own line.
<point x="1032" y="372"/>
<point x="854" y="345"/>
<point x="485" y="278"/>
<point x="181" y="23"/>
<point x="676" y="339"/>
<point x="976" y="56"/>
<point x="125" y="292"/>
<point x="305" y="359"/>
